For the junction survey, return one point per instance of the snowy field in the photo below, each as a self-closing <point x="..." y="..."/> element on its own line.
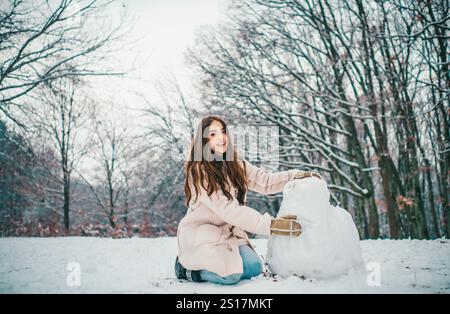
<point x="52" y="265"/>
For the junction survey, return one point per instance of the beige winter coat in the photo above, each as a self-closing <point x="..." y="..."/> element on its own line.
<point x="213" y="228"/>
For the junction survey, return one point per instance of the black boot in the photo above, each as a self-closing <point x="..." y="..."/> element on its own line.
<point x="183" y="273"/>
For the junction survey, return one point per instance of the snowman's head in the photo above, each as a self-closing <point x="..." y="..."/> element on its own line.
<point x="308" y="198"/>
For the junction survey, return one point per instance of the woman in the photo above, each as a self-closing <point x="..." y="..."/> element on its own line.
<point x="212" y="241"/>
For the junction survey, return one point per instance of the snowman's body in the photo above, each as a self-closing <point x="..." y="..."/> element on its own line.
<point x="329" y="243"/>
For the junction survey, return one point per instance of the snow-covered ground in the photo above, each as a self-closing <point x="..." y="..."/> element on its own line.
<point x="98" y="265"/>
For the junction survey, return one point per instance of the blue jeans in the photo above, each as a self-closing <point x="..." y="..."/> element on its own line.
<point x="252" y="267"/>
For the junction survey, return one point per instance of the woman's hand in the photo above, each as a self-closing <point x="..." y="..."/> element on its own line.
<point x="306" y="174"/>
<point x="286" y="225"/>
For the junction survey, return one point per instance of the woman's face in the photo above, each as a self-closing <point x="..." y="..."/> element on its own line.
<point x="217" y="138"/>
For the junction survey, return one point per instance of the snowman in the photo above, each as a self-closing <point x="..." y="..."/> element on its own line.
<point x="329" y="244"/>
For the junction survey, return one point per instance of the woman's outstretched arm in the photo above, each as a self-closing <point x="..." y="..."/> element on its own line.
<point x="265" y="182"/>
<point x="235" y="214"/>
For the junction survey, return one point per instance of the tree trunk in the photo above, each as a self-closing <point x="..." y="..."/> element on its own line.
<point x="66" y="192"/>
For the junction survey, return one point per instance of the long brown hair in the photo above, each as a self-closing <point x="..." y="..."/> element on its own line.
<point x="210" y="170"/>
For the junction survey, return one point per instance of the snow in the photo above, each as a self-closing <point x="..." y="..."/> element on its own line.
<point x="139" y="265"/>
<point x="329" y="244"/>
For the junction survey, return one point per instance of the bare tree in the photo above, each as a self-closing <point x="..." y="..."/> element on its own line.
<point x="169" y="127"/>
<point x="41" y="41"/>
<point x="63" y="114"/>
<point x="113" y="150"/>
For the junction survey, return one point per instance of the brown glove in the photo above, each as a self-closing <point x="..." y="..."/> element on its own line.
<point x="286" y="225"/>
<point x="307" y="174"/>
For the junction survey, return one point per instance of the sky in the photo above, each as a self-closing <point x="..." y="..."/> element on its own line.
<point x="167" y="28"/>
<point x="159" y="33"/>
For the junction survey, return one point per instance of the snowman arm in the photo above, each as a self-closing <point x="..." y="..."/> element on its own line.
<point x="232" y="212"/>
<point x="267" y="183"/>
